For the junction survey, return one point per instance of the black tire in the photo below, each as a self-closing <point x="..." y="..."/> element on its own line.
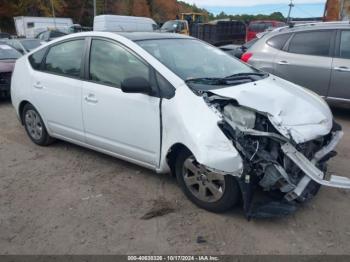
<point x="44" y="138"/>
<point x="230" y="197"/>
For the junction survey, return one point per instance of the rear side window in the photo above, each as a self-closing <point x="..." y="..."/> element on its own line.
<point x="65" y="58"/>
<point x="345" y="44"/>
<point x="278" y="41"/>
<point x="311" y="43"/>
<point x="36" y="58"/>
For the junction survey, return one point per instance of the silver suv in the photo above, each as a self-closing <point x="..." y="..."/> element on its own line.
<point x="316" y="56"/>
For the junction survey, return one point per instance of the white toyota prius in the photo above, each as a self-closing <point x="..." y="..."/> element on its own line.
<point x="173" y="103"/>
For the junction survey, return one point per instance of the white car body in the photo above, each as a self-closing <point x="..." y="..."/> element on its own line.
<point x="148" y="128"/>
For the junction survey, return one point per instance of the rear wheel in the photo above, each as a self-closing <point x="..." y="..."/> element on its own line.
<point x="208" y="190"/>
<point x="35" y="126"/>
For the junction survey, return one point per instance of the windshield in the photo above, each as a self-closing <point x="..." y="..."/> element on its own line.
<point x="7" y="52"/>
<point x="193" y="59"/>
<point x="30" y="44"/>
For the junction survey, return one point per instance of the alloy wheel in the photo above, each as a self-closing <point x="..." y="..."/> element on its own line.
<point x="34" y="124"/>
<point x="205" y="185"/>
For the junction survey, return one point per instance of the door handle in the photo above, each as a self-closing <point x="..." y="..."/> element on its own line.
<point x="38" y="85"/>
<point x="283" y="62"/>
<point x="90" y="98"/>
<point x="342" y="69"/>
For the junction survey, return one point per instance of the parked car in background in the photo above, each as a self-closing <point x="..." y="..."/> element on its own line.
<point x="238" y="50"/>
<point x="315" y="56"/>
<point x="23" y="45"/>
<point x="76" y="28"/>
<point x="259" y="26"/>
<point x="170" y="102"/>
<point x="49" y="35"/>
<point x="119" y="23"/>
<point x="8" y="57"/>
<point x="4" y="35"/>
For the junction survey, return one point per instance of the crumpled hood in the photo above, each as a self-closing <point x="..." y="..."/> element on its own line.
<point x="294" y="111"/>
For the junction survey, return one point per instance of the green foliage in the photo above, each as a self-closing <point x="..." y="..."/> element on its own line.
<point x="247" y="18"/>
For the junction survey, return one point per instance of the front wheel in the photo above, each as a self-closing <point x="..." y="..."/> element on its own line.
<point x="208" y="190"/>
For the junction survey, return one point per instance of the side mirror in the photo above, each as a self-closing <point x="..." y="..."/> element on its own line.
<point x="136" y="85"/>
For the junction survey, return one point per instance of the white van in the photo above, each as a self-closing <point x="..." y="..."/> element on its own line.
<point x="118" y="23"/>
<point x="28" y="26"/>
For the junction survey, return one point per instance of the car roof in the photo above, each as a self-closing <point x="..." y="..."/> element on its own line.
<point x="265" y="21"/>
<point x="314" y="26"/>
<point x="139" y="36"/>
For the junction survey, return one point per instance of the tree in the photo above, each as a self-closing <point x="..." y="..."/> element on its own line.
<point x="140" y="8"/>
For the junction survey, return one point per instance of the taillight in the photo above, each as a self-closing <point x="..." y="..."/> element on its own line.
<point x="246" y="56"/>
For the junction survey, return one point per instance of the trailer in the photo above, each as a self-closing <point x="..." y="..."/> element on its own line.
<point x="29" y="26"/>
<point x="220" y="32"/>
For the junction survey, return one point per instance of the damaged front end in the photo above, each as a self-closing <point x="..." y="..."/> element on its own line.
<point x="291" y="172"/>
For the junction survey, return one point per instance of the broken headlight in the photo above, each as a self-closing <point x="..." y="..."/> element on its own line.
<point x="240" y="116"/>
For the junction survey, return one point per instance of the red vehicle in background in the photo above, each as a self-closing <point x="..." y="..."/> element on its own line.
<point x="259" y="26"/>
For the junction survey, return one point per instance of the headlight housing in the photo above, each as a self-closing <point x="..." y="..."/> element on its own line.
<point x="240" y="116"/>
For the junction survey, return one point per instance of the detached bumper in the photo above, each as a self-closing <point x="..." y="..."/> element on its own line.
<point x="311" y="171"/>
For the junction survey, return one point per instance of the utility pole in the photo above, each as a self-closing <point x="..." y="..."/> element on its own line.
<point x="94" y="8"/>
<point x="291" y="5"/>
<point x="53" y="13"/>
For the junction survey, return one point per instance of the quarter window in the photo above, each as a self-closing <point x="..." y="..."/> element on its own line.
<point x="311" y="43"/>
<point x="111" y="64"/>
<point x="345" y="44"/>
<point x="65" y="58"/>
<point x="278" y="41"/>
<point x="36" y="58"/>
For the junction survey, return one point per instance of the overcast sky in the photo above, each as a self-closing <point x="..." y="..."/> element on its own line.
<point x="303" y="8"/>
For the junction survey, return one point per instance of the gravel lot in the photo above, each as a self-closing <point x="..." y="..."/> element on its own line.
<point x="65" y="199"/>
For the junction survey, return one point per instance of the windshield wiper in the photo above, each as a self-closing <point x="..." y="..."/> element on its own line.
<point x="239" y="78"/>
<point x="247" y="75"/>
<point x="207" y="80"/>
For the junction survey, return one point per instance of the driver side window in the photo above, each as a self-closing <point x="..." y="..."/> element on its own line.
<point x="111" y="64"/>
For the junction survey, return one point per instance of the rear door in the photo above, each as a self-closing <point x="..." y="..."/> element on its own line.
<point x="307" y="60"/>
<point x="340" y="83"/>
<point x="57" y="86"/>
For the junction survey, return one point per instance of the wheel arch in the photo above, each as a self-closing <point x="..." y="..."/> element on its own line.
<point x="21" y="108"/>
<point x="173" y="153"/>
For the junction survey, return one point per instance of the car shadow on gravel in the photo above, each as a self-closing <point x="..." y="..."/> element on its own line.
<point x="107" y="159"/>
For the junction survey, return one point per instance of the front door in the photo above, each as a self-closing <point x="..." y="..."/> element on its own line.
<point x="124" y="124"/>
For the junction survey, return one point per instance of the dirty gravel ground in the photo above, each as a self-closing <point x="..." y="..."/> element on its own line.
<point x="65" y="199"/>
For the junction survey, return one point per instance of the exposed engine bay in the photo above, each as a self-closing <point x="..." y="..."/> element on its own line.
<point x="290" y="172"/>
